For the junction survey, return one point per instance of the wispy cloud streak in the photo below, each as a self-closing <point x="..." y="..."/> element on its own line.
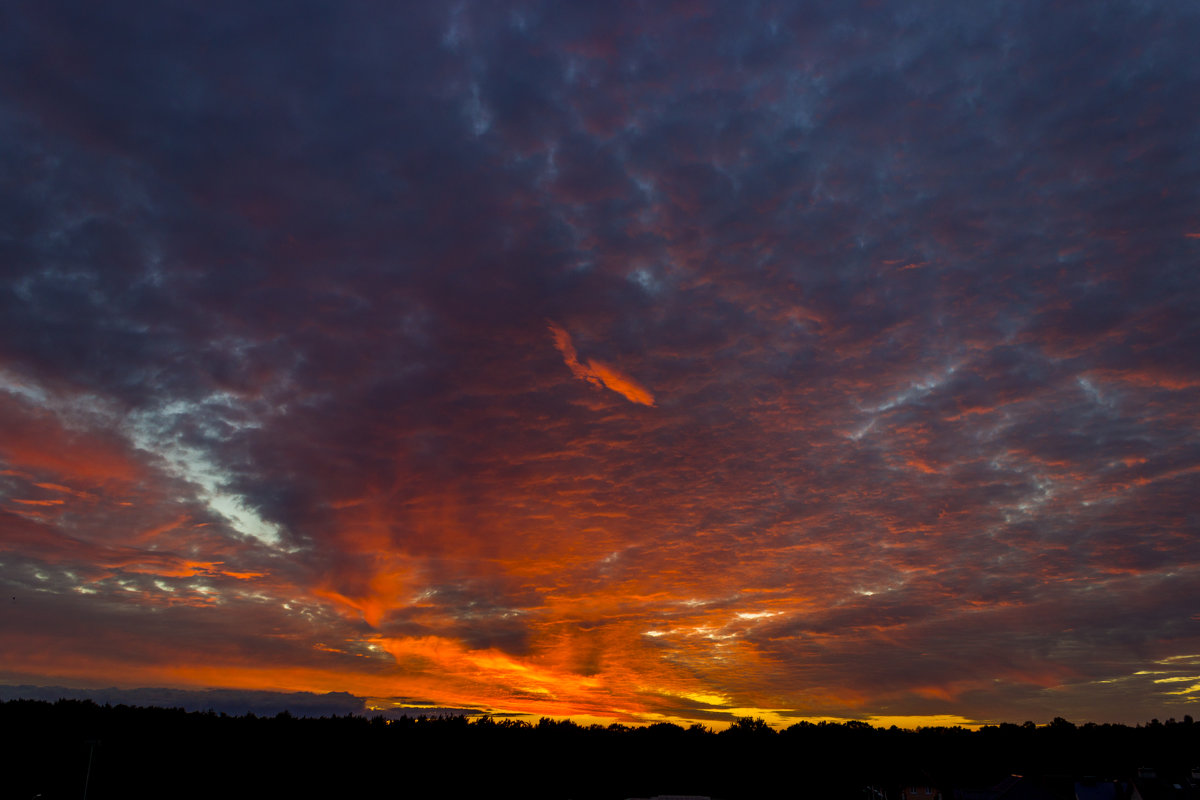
<point x="597" y="372"/>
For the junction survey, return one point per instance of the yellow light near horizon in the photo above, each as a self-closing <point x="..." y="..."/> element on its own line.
<point x="925" y="721"/>
<point x="708" y="699"/>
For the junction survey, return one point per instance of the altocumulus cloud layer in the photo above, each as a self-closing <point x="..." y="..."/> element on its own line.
<point x="634" y="361"/>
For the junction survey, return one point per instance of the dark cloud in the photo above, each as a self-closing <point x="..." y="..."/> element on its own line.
<point x="238" y="702"/>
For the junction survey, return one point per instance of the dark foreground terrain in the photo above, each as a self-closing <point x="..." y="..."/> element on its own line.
<point x="169" y="753"/>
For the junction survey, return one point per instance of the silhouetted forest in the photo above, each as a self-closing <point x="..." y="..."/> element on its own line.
<point x="155" y="753"/>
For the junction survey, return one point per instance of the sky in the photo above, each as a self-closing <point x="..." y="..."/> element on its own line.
<point x="628" y="362"/>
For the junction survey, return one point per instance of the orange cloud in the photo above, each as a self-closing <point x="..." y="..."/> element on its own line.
<point x="38" y="442"/>
<point x="599" y="373"/>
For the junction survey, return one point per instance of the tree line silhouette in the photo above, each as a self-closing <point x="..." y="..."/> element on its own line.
<point x="53" y="749"/>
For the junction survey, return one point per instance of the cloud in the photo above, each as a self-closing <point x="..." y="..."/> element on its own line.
<point x="277" y="410"/>
<point x="233" y="702"/>
<point x="599" y="373"/>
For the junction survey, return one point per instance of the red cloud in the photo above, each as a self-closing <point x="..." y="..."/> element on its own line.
<point x="599" y="373"/>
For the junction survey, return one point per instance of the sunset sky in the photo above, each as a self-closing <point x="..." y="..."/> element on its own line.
<point x="626" y="361"/>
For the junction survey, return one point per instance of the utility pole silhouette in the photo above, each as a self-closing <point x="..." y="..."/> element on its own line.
<point x="88" y="778"/>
